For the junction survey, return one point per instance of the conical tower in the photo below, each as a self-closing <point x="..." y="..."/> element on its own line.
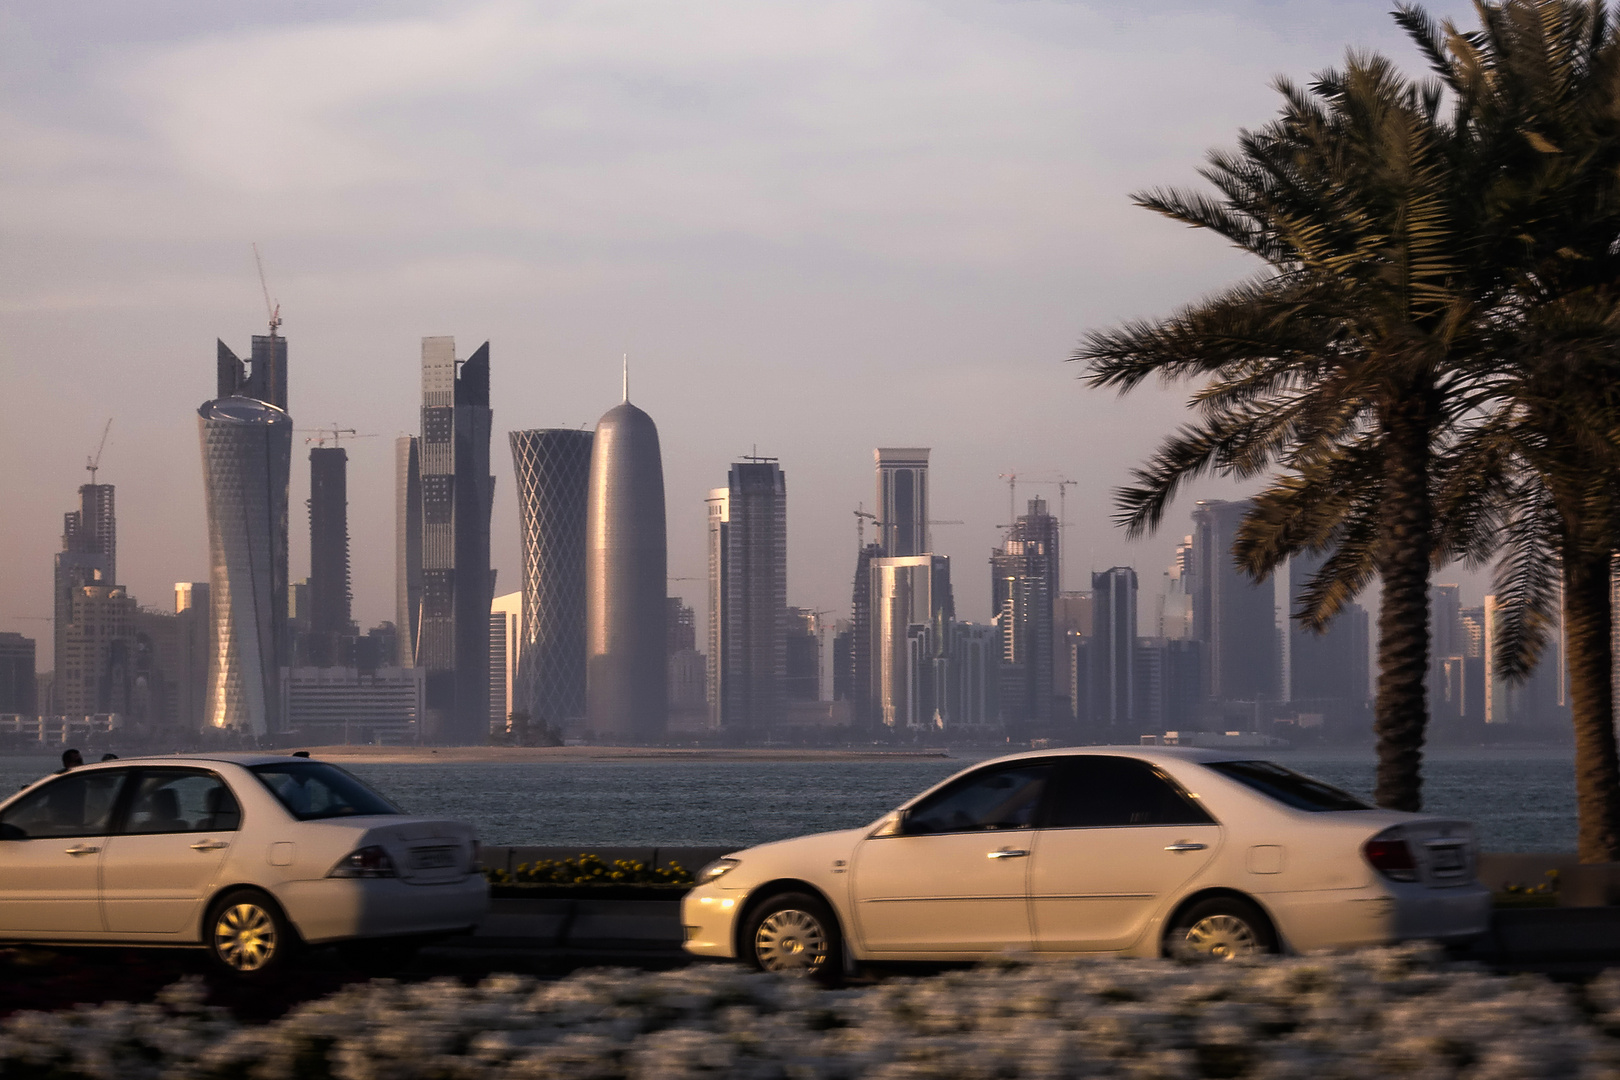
<point x="625" y="578"/>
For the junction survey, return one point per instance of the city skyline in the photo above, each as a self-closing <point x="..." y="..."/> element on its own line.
<point x="960" y="280"/>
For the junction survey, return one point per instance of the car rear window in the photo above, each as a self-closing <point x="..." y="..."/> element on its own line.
<point x="1287" y="786"/>
<point x="314" y="789"/>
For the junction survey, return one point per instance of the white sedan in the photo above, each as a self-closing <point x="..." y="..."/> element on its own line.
<point x="1136" y="851"/>
<point x="246" y="855"/>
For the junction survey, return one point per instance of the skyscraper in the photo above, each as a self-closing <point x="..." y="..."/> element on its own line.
<point x="1023" y="572"/>
<point x="506" y="632"/>
<point x="89" y="556"/>
<point x="860" y="639"/>
<point x="264" y="379"/>
<point x="457" y="585"/>
<point x="329" y="614"/>
<point x="407" y="546"/>
<point x="1113" y="647"/>
<point x="1332" y="665"/>
<point x="192" y="611"/>
<point x="626" y="563"/>
<point x="902" y="500"/>
<point x="912" y="612"/>
<point x="553" y="471"/>
<point x="748" y="578"/>
<point x="1234" y="617"/>
<point x="247" y="457"/>
<point x="17" y="675"/>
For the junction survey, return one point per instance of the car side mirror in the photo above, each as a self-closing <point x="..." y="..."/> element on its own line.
<point x="893" y="824"/>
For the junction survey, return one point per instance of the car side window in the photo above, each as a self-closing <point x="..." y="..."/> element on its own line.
<point x="1094" y="791"/>
<point x="181" y="800"/>
<point x="78" y="804"/>
<point x="992" y="799"/>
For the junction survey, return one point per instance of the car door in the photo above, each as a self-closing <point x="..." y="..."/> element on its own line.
<point x="51" y="844"/>
<point x="163" y="859"/>
<point x="953" y="876"/>
<point x="1119" y="837"/>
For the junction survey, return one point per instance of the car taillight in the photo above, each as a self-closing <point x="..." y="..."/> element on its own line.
<point x="1391" y="857"/>
<point x="368" y="862"/>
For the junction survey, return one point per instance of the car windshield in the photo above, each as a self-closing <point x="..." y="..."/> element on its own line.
<point x="1287" y="786"/>
<point x="314" y="789"/>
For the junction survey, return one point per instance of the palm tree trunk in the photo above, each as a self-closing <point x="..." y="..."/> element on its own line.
<point x="1405" y="547"/>
<point x="1588" y="622"/>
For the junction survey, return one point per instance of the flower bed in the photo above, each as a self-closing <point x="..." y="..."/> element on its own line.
<point x="1394" y="1012"/>
<point x="587" y="869"/>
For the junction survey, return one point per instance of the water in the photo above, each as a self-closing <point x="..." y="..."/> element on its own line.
<point x="1520" y="800"/>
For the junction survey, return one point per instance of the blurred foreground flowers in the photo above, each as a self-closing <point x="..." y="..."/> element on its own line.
<point x="1393" y="1012"/>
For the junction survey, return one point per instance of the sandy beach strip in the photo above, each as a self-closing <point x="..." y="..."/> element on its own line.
<point x="426" y="755"/>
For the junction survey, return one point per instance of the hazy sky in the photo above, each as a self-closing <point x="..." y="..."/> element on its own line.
<point x="816" y="229"/>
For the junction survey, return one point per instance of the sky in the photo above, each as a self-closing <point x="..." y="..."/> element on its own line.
<point x="815" y="229"/>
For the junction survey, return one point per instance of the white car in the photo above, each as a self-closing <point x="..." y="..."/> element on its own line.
<point x="1136" y="851"/>
<point x="246" y="855"/>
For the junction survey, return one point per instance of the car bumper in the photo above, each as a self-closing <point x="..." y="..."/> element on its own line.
<point x="1379" y="915"/>
<point x="709" y="919"/>
<point x="334" y="909"/>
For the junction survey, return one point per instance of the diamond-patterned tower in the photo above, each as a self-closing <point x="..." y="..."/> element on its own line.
<point x="553" y="471"/>
<point x="247" y="456"/>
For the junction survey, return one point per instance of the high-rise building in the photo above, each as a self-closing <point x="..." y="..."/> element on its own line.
<point x="861" y="695"/>
<point x="192" y="612"/>
<point x="89" y="554"/>
<point x="973" y="679"/>
<point x="553" y="471"/>
<point x="247" y="458"/>
<point x="349" y="706"/>
<point x="407" y="546"/>
<point x="329" y="598"/>
<point x="1113" y="647"/>
<point x="17" y="674"/>
<point x="1332" y="665"/>
<point x="1169" y="691"/>
<point x="912" y="612"/>
<point x="748" y="584"/>
<point x="1023" y="572"/>
<point x="803" y="647"/>
<point x="626" y="567"/>
<point x="91" y="671"/>
<point x="457" y="586"/>
<point x="902" y="500"/>
<point x="1175" y="620"/>
<point x="506" y="633"/>
<point x="264" y="379"/>
<point x="1234" y="617"/>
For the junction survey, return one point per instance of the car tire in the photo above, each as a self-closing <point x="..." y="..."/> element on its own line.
<point x="1220" y="928"/>
<point x="247" y="936"/>
<point x="795" y="934"/>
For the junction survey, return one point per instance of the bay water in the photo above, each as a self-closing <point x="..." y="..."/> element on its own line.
<point x="1520" y="799"/>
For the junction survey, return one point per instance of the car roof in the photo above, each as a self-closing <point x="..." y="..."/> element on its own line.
<point x="191" y="759"/>
<point x="1157" y="754"/>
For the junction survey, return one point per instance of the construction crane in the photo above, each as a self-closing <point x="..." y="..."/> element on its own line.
<point x="94" y="463"/>
<point x="271" y="309"/>
<point x="861" y="518"/>
<point x="336" y="434"/>
<point x="1012" y="495"/>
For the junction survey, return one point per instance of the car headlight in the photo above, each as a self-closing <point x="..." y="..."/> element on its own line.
<point x="368" y="862"/>
<point x="716" y="870"/>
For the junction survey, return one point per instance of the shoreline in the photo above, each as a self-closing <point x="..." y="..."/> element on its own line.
<point x="485" y="755"/>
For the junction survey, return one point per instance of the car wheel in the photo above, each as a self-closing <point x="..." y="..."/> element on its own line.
<point x="796" y="934"/>
<point x="1221" y="928"/>
<point x="247" y="935"/>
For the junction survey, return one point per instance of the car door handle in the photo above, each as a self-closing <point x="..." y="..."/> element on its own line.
<point x="1009" y="853"/>
<point x="1185" y="847"/>
<point x="209" y="845"/>
<point x="82" y="849"/>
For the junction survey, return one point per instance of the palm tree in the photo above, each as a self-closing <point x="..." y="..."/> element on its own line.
<point x="1538" y="99"/>
<point x="1341" y="370"/>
